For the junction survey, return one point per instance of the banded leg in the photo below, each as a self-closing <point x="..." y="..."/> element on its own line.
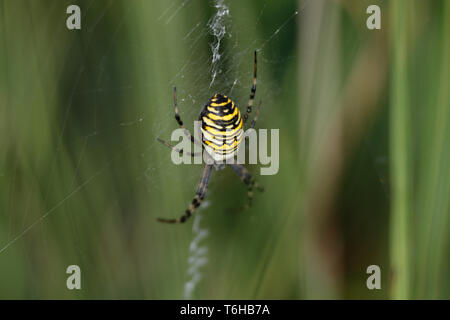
<point x="180" y="122"/>
<point x="198" y="199"/>
<point x="247" y="178"/>
<point x="252" y="125"/>
<point x="252" y="94"/>
<point x="180" y="151"/>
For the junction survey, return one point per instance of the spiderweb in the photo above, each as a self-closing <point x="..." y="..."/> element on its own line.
<point x="226" y="67"/>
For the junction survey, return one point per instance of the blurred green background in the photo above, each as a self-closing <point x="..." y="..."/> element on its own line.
<point x="364" y="119"/>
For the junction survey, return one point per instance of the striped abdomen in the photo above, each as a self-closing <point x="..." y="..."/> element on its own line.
<point x="221" y="127"/>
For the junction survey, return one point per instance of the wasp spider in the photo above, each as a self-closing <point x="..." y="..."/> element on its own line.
<point x="222" y="133"/>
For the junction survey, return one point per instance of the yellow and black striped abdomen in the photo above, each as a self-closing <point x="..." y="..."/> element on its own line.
<point x="221" y="127"/>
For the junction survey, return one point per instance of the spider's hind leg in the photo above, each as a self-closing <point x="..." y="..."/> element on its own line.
<point x="252" y="125"/>
<point x="252" y="92"/>
<point x="247" y="178"/>
<point x="180" y="151"/>
<point x="180" y="122"/>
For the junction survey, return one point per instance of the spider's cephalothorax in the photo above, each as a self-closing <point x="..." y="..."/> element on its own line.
<point x="222" y="132"/>
<point x="221" y="127"/>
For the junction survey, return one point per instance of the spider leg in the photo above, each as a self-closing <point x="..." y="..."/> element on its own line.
<point x="252" y="94"/>
<point x="199" y="196"/>
<point x="252" y="125"/>
<point x="180" y="122"/>
<point x="180" y="151"/>
<point x="186" y="131"/>
<point x="247" y="178"/>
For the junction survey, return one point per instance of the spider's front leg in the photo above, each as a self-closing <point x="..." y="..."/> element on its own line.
<point x="247" y="178"/>
<point x="199" y="196"/>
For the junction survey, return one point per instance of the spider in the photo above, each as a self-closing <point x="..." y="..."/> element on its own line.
<point x="222" y="133"/>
